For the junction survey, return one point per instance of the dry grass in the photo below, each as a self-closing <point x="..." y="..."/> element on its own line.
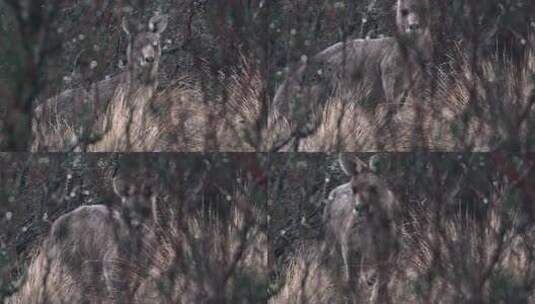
<point x="416" y="125"/>
<point x="461" y="258"/>
<point x="447" y="257"/>
<point x="228" y="122"/>
<point x="499" y="93"/>
<point x="472" y="108"/>
<point x="223" y="114"/>
<point x="183" y="117"/>
<point x="476" y="107"/>
<point x="207" y="261"/>
<point x="45" y="282"/>
<point x="307" y="279"/>
<point x="127" y="127"/>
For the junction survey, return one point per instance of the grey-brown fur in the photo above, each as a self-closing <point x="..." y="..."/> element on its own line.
<point x="364" y="70"/>
<point x="361" y="215"/>
<point x="339" y="219"/>
<point x="78" y="117"/>
<point x="99" y="247"/>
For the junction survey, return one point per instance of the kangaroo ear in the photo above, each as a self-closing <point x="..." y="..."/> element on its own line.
<point x="374" y="163"/>
<point x="151" y="186"/>
<point x="120" y="187"/>
<point x="351" y="164"/>
<point x="158" y="23"/>
<point x="127" y="26"/>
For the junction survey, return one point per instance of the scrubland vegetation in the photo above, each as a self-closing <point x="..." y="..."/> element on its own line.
<point x="466" y="231"/>
<point x="223" y="62"/>
<point x="444" y="81"/>
<point x="203" y="242"/>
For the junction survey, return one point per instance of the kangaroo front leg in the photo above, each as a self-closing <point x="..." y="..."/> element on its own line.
<point x="117" y="280"/>
<point x="393" y="88"/>
<point x="374" y="295"/>
<point x="345" y="257"/>
<point x="395" y="82"/>
<point x="306" y="109"/>
<point x="380" y="294"/>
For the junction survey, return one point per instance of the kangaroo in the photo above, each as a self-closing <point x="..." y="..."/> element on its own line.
<point x="94" y="253"/>
<point x="361" y="214"/>
<point x="75" y="117"/>
<point x="366" y="70"/>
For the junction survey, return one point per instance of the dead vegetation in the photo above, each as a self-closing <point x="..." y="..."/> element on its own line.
<point x="469" y="110"/>
<point x="232" y="121"/>
<point x="307" y="280"/>
<point x="234" y="271"/>
<point x="202" y="260"/>
<point x="459" y="260"/>
<point x="183" y="117"/>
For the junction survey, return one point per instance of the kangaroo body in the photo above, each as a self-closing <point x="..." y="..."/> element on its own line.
<point x="361" y="216"/>
<point x="376" y="67"/>
<point x="364" y="71"/>
<point x="96" y="246"/>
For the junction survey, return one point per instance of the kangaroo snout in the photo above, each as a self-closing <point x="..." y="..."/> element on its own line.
<point x="361" y="208"/>
<point x="148" y="54"/>
<point x="414" y="27"/>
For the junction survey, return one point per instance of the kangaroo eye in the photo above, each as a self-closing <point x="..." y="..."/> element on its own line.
<point x="404" y="12"/>
<point x="127" y="190"/>
<point x="372" y="189"/>
<point x="144" y="211"/>
<point x="147" y="191"/>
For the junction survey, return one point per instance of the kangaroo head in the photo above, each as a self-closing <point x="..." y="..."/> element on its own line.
<point x="138" y="198"/>
<point x="412" y="17"/>
<point x="372" y="198"/>
<point x="144" y="51"/>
